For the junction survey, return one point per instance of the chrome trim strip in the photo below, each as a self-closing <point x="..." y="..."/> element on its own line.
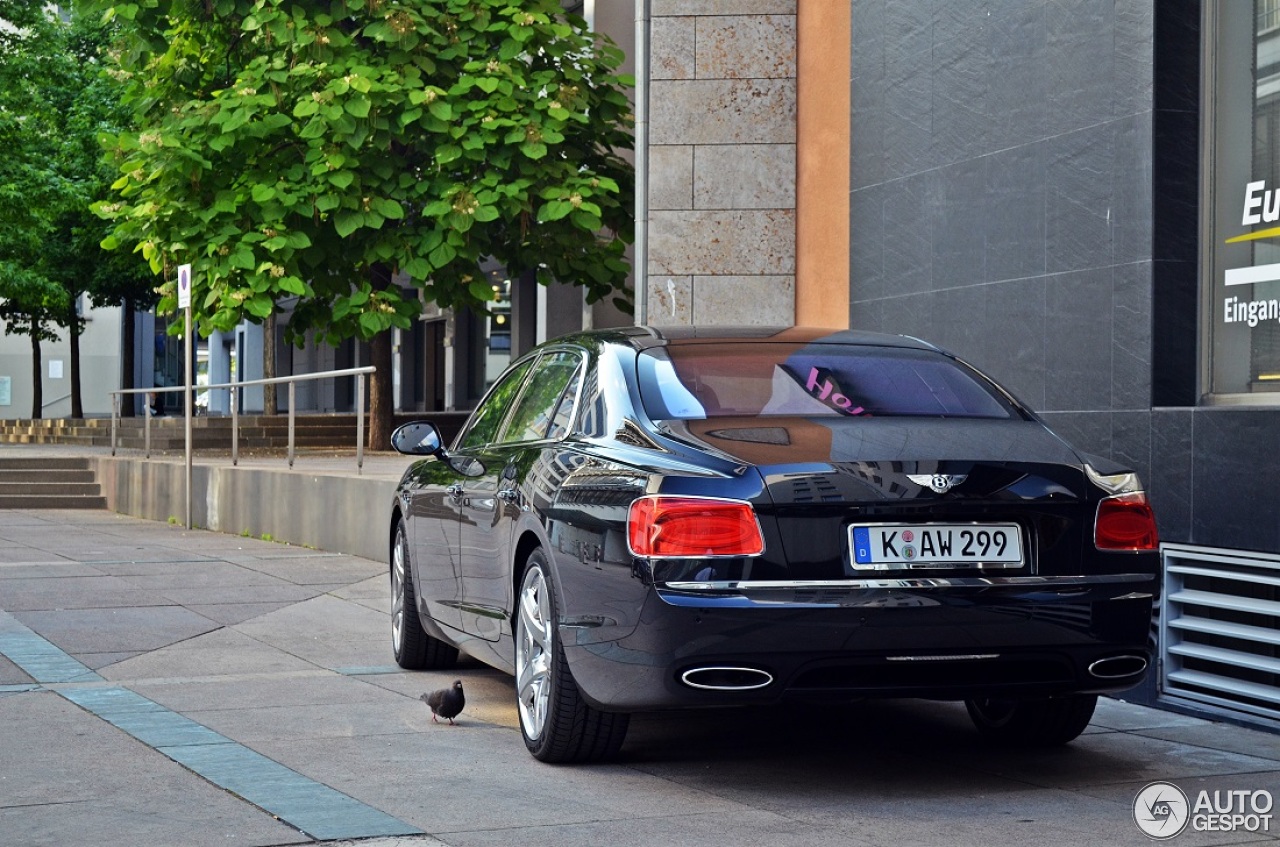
<point x="914" y="582"/>
<point x="943" y="657"/>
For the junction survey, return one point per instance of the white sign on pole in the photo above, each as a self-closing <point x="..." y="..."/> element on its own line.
<point x="184" y="286"/>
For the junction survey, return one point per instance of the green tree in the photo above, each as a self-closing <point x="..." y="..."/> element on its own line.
<point x="54" y="102"/>
<point x="33" y="191"/>
<point x="31" y="305"/>
<point x="306" y="152"/>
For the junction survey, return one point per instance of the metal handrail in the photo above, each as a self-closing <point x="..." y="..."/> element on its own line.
<point x="293" y="380"/>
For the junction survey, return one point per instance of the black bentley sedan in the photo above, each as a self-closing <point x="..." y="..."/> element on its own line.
<point x="644" y="519"/>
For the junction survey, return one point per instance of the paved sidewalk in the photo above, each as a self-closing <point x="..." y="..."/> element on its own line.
<point x="166" y="687"/>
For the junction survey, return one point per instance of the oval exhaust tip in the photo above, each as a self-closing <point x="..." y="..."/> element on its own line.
<point x="721" y="678"/>
<point x="1118" y="667"/>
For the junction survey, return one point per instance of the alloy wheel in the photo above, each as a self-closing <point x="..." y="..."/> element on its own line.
<point x="535" y="644"/>
<point x="397" y="593"/>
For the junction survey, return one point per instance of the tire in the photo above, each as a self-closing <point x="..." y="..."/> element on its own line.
<point x="414" y="649"/>
<point x="1033" y="723"/>
<point x="555" y="720"/>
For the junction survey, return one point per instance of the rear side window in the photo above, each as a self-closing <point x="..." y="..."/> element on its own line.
<point x="538" y="410"/>
<point x="688" y="382"/>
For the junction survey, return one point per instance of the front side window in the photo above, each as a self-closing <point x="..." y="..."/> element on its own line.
<point x="484" y="421"/>
<point x="761" y="379"/>
<point x="1243" y="212"/>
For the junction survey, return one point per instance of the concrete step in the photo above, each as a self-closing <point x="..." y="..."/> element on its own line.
<point x="32" y="475"/>
<point x="51" y="501"/>
<point x="26" y="463"/>
<point x="44" y="489"/>
<point x="48" y="482"/>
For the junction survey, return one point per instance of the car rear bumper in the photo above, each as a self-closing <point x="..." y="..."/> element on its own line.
<point x="707" y="644"/>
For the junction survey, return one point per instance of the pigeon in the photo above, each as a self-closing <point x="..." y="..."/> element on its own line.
<point x="447" y="702"/>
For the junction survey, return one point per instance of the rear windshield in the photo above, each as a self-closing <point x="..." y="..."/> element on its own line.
<point x="690" y="382"/>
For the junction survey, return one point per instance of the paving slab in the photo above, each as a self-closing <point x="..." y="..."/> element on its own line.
<point x="68" y="778"/>
<point x="131" y="629"/>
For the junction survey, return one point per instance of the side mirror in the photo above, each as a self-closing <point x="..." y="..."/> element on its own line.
<point x="418" y="438"/>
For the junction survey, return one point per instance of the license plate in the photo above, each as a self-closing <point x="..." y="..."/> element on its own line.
<point x="884" y="546"/>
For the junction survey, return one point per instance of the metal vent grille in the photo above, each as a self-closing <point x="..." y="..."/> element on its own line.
<point x="1220" y="631"/>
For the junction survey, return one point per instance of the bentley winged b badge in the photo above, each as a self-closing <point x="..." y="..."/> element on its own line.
<point x="941" y="483"/>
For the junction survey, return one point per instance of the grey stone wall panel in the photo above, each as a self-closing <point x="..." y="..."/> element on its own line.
<point x="959" y="247"/>
<point x="1080" y="212"/>
<point x="909" y="207"/>
<point x="1015" y="216"/>
<point x="1080" y="59"/>
<point x="1077" y="341"/>
<point x="1131" y="360"/>
<point x="1015" y="317"/>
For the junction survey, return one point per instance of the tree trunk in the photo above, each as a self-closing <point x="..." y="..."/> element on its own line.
<point x="382" y="406"/>
<point x="269" y="364"/>
<point x="73" y="329"/>
<point x="37" y="383"/>
<point x="128" y="338"/>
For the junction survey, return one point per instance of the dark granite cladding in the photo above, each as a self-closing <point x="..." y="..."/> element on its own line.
<point x="1089" y="432"/>
<point x="1025" y="192"/>
<point x="1173" y="476"/>
<point x="1026" y="195"/>
<point x="1236" y="465"/>
<point x="1174" y="315"/>
<point x="1131" y="336"/>
<point x="1077" y="342"/>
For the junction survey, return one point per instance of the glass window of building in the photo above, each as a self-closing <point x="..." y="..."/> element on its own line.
<point x="1242" y="212"/>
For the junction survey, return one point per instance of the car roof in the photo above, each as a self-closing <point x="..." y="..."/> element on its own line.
<point x="644" y="337"/>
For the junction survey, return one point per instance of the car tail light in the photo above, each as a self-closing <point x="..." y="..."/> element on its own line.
<point x="1125" y="522"/>
<point x="668" y="527"/>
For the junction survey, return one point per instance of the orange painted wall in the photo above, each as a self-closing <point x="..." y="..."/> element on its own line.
<point x="823" y="33"/>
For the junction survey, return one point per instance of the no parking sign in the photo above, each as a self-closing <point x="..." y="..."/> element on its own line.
<point x="184" y="286"/>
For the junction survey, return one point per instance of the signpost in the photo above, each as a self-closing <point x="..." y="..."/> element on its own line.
<point x="184" y="303"/>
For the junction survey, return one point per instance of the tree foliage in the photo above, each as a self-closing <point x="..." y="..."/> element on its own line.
<point x="34" y="190"/>
<point x="302" y="151"/>
<point x="54" y="102"/>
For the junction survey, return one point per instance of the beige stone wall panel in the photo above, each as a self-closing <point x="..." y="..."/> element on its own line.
<point x="665" y="8"/>
<point x="742" y="47"/>
<point x="744" y="300"/>
<point x="671" y="177"/>
<point x="757" y="111"/>
<point x="672" y="53"/>
<point x="670" y="300"/>
<point x="744" y="243"/>
<point x="744" y="176"/>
